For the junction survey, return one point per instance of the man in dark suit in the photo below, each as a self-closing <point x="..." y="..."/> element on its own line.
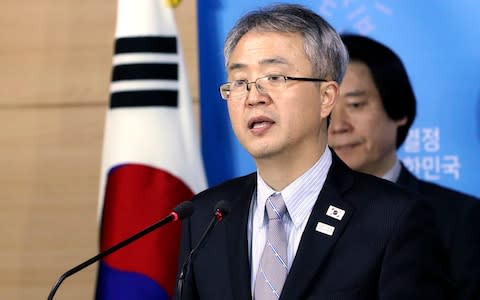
<point x="370" y="121"/>
<point x="304" y="226"/>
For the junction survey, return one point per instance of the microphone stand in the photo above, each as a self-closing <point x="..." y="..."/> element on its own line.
<point x="171" y="217"/>
<point x="186" y="265"/>
<point x="221" y="210"/>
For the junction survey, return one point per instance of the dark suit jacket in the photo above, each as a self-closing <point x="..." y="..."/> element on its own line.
<point x="383" y="248"/>
<point x="458" y="218"/>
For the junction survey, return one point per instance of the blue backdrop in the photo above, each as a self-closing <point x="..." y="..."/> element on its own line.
<point x="438" y="43"/>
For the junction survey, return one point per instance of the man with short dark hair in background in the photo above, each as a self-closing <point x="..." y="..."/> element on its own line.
<point x="370" y="121"/>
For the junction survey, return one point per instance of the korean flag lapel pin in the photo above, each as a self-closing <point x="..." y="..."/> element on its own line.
<point x="335" y="212"/>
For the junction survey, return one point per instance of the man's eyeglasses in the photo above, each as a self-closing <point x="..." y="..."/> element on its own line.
<point x="238" y="89"/>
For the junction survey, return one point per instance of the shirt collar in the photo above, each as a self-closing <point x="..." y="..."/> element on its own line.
<point x="301" y="194"/>
<point x="393" y="174"/>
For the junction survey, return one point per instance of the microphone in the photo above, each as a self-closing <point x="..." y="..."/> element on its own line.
<point x="220" y="211"/>
<point x="181" y="211"/>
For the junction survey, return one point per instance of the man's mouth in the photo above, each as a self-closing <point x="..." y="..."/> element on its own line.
<point x="259" y="122"/>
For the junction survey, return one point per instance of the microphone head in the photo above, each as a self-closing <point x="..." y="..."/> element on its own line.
<point x="222" y="208"/>
<point x="184" y="209"/>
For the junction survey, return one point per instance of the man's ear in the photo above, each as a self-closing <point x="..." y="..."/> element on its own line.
<point x="329" y="93"/>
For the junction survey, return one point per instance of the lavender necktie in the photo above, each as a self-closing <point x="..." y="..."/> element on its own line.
<point x="273" y="269"/>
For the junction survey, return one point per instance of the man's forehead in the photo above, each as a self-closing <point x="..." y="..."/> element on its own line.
<point x="269" y="61"/>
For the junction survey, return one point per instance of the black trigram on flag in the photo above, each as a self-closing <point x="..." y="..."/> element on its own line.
<point x="145" y="72"/>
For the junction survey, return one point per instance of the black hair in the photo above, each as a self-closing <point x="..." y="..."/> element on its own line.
<point x="390" y="78"/>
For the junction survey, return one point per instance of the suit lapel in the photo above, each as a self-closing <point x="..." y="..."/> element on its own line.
<point x="316" y="242"/>
<point x="237" y="240"/>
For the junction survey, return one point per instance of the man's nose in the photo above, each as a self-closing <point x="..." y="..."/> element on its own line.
<point x="339" y="121"/>
<point x="255" y="95"/>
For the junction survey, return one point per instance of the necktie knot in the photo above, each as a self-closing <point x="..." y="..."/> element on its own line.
<point x="275" y="206"/>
